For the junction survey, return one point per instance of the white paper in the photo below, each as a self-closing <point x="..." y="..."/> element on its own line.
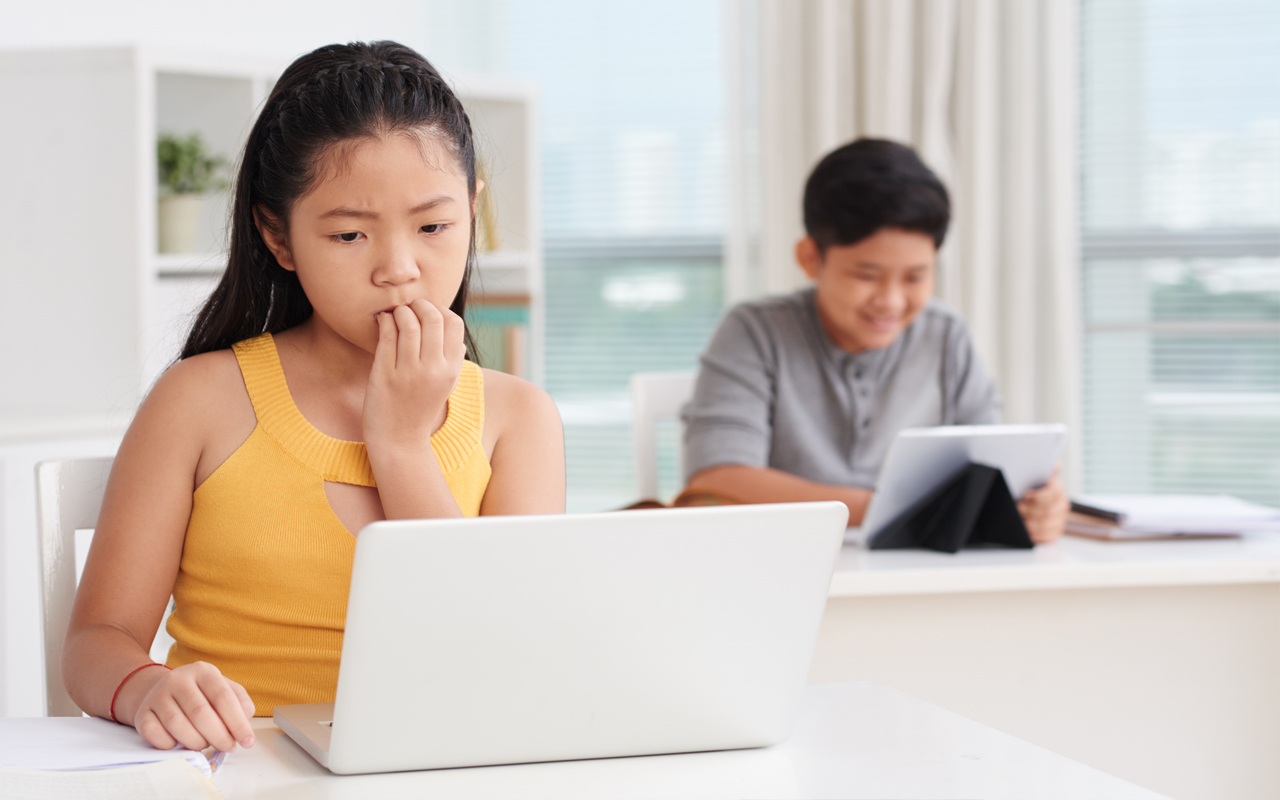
<point x="62" y="743"/>
<point x="1186" y="513"/>
<point x="174" y="779"/>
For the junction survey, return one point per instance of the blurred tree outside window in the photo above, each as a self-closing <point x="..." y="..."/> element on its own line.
<point x="1180" y="188"/>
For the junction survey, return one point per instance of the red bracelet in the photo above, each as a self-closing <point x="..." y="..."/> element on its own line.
<point x="127" y="677"/>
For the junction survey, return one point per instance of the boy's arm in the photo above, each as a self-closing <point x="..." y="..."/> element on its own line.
<point x="745" y="484"/>
<point x="971" y="391"/>
<point x="729" y="418"/>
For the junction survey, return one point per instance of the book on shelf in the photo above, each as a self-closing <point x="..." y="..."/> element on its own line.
<point x="499" y="327"/>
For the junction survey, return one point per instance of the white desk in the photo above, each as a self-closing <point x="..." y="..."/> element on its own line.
<point x="851" y="740"/>
<point x="1153" y="661"/>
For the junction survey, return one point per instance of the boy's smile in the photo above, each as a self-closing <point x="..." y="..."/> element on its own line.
<point x="868" y="292"/>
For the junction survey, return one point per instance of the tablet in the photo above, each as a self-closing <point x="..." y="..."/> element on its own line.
<point x="922" y="459"/>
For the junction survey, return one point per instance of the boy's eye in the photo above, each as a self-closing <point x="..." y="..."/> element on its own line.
<point x="347" y="237"/>
<point x="434" y="228"/>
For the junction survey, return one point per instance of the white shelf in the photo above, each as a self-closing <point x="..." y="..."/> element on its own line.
<point x="177" y="265"/>
<point x="504" y="259"/>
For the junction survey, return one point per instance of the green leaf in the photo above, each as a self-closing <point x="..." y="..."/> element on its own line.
<point x="185" y="165"/>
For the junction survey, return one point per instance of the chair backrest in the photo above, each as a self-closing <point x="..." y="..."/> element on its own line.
<point x="68" y="494"/>
<point x="654" y="395"/>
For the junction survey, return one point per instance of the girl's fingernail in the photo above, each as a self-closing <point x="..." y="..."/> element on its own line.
<point x="247" y="742"/>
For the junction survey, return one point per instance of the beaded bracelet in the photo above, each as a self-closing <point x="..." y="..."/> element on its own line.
<point x="127" y="677"/>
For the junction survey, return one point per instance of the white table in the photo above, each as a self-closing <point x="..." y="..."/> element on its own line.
<point x="1154" y="661"/>
<point x="850" y="740"/>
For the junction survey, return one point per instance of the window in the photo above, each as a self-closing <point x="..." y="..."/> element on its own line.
<point x="1180" y="154"/>
<point x="633" y="185"/>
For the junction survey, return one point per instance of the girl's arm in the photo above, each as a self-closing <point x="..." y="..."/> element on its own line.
<point x="129" y="576"/>
<point x="527" y="455"/>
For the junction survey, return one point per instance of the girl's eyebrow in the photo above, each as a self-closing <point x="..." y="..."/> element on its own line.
<point x="343" y="211"/>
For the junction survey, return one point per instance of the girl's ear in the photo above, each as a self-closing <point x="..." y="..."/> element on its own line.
<point x="809" y="257"/>
<point x="476" y="198"/>
<point x="273" y="234"/>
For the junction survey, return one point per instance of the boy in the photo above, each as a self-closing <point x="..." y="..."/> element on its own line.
<point x="799" y="396"/>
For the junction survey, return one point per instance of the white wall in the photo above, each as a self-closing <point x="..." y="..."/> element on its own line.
<point x="279" y="29"/>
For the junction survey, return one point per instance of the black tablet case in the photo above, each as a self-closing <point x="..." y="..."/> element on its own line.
<point x="972" y="506"/>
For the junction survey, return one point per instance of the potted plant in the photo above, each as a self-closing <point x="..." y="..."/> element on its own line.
<point x="187" y="171"/>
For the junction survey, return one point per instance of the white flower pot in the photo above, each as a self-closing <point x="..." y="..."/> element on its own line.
<point x="179" y="222"/>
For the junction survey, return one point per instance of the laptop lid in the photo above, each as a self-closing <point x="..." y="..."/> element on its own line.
<point x="519" y="639"/>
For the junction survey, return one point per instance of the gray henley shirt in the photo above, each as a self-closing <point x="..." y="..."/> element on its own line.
<point x="775" y="391"/>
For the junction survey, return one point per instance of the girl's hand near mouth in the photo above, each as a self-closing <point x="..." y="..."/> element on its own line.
<point x="415" y="367"/>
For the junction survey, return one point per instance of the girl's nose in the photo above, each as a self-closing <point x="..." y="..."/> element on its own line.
<point x="395" y="266"/>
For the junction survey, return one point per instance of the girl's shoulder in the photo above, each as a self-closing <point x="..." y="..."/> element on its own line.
<point x="202" y="401"/>
<point x="511" y="402"/>
<point x="202" y="382"/>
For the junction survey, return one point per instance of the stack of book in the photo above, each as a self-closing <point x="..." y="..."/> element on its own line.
<point x="1137" y="517"/>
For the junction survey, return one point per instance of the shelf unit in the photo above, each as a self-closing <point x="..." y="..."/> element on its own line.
<point x="100" y="314"/>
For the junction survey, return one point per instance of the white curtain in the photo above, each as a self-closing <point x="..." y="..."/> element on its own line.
<point x="985" y="90"/>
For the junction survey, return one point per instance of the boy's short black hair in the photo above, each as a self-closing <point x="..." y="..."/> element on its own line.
<point x="871" y="184"/>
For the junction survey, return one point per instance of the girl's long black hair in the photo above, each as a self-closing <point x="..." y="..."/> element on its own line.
<point x="334" y="94"/>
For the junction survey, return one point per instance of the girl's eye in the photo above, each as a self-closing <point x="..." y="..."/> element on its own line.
<point x="436" y="228"/>
<point x="347" y="237"/>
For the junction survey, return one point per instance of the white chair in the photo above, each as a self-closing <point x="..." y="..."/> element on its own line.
<point x="654" y="395"/>
<point x="68" y="495"/>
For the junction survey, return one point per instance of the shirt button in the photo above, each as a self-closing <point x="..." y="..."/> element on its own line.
<point x="857" y="373"/>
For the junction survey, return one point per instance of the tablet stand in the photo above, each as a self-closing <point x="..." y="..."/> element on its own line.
<point x="973" y="506"/>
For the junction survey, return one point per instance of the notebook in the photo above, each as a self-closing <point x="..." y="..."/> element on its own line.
<point x="59" y="757"/>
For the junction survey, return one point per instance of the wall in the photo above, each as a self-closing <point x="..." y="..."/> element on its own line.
<point x="281" y="29"/>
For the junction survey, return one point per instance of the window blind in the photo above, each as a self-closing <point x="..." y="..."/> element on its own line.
<point x="1180" y="152"/>
<point x="633" y="203"/>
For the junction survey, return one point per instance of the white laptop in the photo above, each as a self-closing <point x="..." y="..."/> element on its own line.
<point x="922" y="459"/>
<point x="506" y="640"/>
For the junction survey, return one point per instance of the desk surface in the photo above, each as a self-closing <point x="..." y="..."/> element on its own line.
<point x="850" y="740"/>
<point x="1069" y="563"/>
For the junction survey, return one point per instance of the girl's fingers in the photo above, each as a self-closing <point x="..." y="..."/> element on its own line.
<point x="152" y="730"/>
<point x="226" y="704"/>
<point x="455" y="345"/>
<point x="385" y="353"/>
<point x="204" y="719"/>
<point x="409" y="343"/>
<point x="246" y="703"/>
<point x="429" y="317"/>
<point x="175" y="721"/>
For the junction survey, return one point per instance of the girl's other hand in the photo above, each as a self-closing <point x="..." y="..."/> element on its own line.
<point x="193" y="705"/>
<point x="1044" y="510"/>
<point x="415" y="367"/>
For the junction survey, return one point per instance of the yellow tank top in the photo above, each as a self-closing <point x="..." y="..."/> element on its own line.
<point x="262" y="587"/>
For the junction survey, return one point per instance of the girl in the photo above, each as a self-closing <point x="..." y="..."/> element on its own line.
<point x="324" y="386"/>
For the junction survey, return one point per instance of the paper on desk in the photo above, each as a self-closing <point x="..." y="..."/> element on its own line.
<point x="1186" y="513"/>
<point x="67" y="743"/>
<point x="174" y="779"/>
